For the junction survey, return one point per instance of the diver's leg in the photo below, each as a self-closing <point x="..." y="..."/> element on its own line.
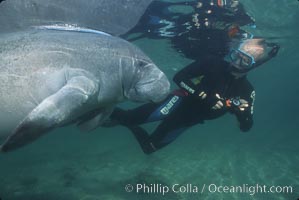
<point x="143" y="139"/>
<point x="146" y="113"/>
<point x="164" y="134"/>
<point x="179" y="119"/>
<point x="169" y="129"/>
<point x="134" y="116"/>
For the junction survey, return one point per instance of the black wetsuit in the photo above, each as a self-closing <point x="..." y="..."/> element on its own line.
<point x="183" y="108"/>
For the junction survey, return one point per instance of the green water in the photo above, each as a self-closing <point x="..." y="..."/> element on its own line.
<point x="69" y="165"/>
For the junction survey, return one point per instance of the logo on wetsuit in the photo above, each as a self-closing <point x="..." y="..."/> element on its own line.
<point x="188" y="88"/>
<point x="165" y="110"/>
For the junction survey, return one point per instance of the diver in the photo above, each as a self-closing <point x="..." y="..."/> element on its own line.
<point x="205" y="23"/>
<point x="208" y="89"/>
<point x="165" y="19"/>
<point x="213" y="25"/>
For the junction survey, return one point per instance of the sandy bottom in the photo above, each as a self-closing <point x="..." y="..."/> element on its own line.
<point x="67" y="164"/>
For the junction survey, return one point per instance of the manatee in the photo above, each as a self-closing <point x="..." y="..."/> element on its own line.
<point x="53" y="76"/>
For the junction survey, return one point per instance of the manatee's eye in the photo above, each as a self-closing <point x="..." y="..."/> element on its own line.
<point x="141" y="63"/>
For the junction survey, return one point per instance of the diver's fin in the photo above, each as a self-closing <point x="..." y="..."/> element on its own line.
<point x="143" y="139"/>
<point x="96" y="120"/>
<point x="56" y="110"/>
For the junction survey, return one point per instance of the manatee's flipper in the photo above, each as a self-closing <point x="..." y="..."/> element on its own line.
<point x="56" y="110"/>
<point x="95" y="119"/>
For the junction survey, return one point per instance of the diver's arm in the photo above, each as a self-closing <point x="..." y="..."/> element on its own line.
<point x="245" y="121"/>
<point x="189" y="78"/>
<point x="245" y="117"/>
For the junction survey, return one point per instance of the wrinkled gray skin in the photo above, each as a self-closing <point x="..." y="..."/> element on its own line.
<point x="51" y="78"/>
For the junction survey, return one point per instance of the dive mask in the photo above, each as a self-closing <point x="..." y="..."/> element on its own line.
<point x="251" y="53"/>
<point x="241" y="59"/>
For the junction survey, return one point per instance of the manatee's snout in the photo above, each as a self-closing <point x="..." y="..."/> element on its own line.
<point x="152" y="85"/>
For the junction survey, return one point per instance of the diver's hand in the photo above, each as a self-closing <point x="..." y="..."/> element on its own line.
<point x="244" y="105"/>
<point x="219" y="104"/>
<point x="237" y="104"/>
<point x="202" y="95"/>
